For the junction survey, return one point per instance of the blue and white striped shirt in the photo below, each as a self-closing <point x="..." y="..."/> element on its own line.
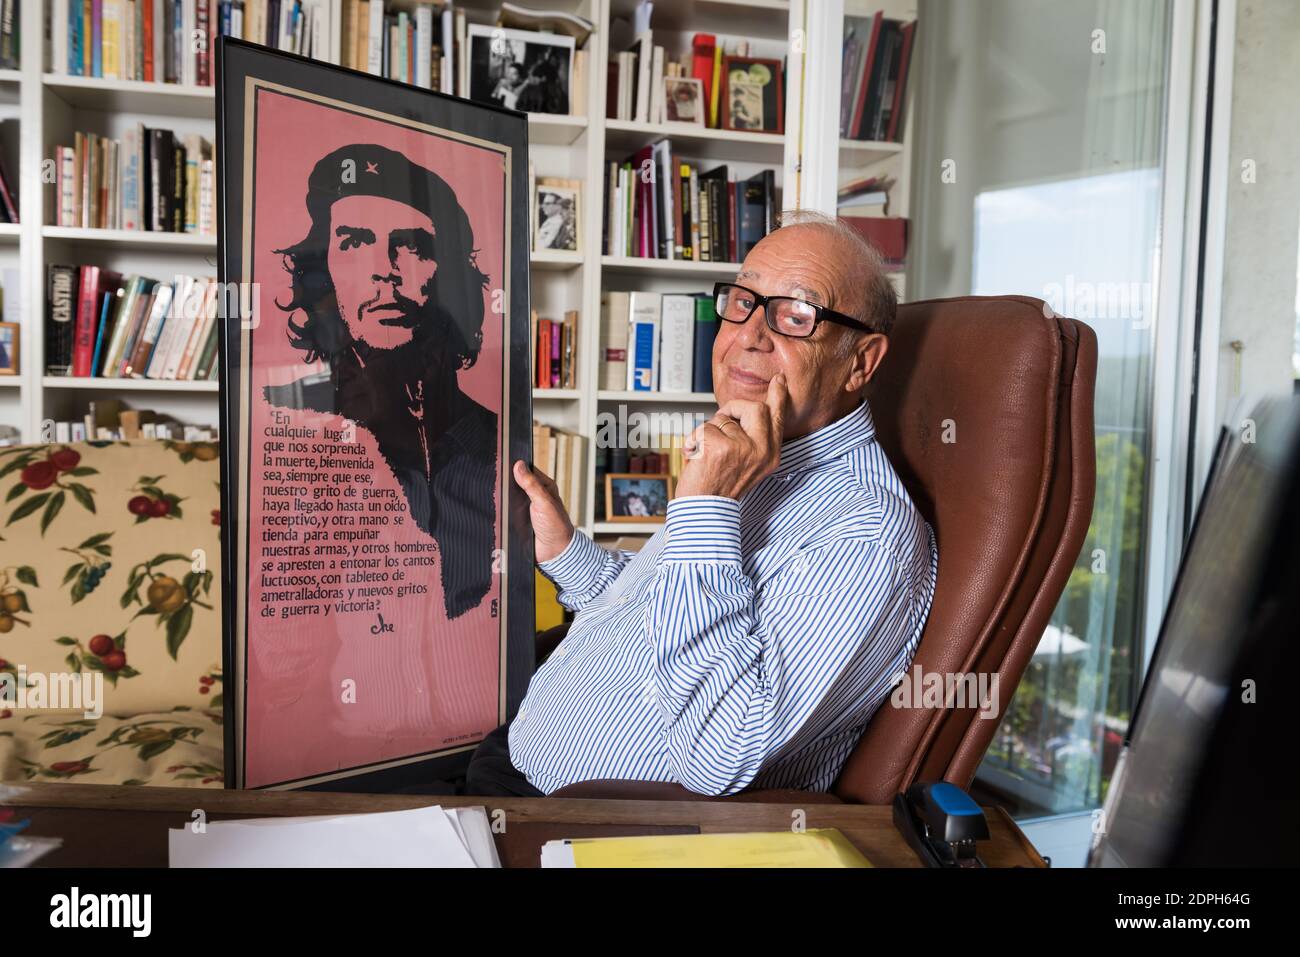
<point x="748" y="642"/>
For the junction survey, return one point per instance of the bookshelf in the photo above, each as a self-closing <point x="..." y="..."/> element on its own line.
<point x="808" y="161"/>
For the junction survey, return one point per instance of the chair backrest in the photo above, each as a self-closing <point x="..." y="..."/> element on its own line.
<point x="984" y="405"/>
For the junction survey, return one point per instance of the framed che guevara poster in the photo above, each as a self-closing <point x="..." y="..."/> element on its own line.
<point x="373" y="247"/>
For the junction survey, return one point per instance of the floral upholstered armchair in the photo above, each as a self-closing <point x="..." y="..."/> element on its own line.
<point x="110" y="565"/>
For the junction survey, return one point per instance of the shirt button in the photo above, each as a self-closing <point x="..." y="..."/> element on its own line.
<point x="624" y="600"/>
<point x="523" y="713"/>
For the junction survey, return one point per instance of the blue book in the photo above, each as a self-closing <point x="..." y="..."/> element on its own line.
<point x="706" y="330"/>
<point x="76" y="37"/>
<point x="96" y="44"/>
<point x="99" y="336"/>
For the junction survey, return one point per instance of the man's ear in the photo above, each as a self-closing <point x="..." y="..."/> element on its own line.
<point x="867" y="356"/>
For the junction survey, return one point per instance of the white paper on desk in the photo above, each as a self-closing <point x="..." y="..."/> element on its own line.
<point x="421" y="837"/>
<point x="478" y="835"/>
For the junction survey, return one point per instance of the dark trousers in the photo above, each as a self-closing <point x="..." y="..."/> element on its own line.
<point x="491" y="773"/>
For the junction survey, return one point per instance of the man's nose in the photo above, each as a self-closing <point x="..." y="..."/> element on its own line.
<point x="753" y="332"/>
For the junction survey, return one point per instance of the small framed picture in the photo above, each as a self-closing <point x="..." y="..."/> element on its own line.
<point x="8" y="348"/>
<point x="637" y="497"/>
<point x="520" y="69"/>
<point x="683" y="100"/>
<point x="752" y="95"/>
<point x="557" y="214"/>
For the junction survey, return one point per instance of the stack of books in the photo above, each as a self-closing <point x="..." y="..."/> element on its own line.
<point x="555" y="351"/>
<point x="864" y="205"/>
<point x="561" y="455"/>
<point x="682" y="213"/>
<point x="657" y="342"/>
<point x="635" y="88"/>
<point x="877" y="54"/>
<point x="102" y="324"/>
<point x="148" y="180"/>
<point x="172" y="41"/>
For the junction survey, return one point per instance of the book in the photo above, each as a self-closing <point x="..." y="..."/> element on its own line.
<point x="677" y="343"/>
<point x="643" y="342"/>
<point x="614" y="319"/>
<point x="706" y="330"/>
<point x="60" y="318"/>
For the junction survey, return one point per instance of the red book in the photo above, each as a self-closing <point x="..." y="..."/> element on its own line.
<point x="83" y="333"/>
<point x="544" y="354"/>
<point x="887" y="234"/>
<point x="201" y="58"/>
<point x="645" y="199"/>
<point x="702" y="45"/>
<point x="895" y="116"/>
<point x="864" y="82"/>
<point x="148" y="42"/>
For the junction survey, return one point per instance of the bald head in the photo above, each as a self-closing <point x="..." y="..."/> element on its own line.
<point x="822" y="261"/>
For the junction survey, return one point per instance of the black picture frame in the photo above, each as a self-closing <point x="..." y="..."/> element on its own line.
<point x="244" y="72"/>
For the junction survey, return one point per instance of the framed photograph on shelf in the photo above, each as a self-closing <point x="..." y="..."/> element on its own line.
<point x="752" y="96"/>
<point x="683" y="100"/>
<point x="373" y="269"/>
<point x="8" y="348"/>
<point x="557" y="214"/>
<point x="520" y="70"/>
<point x="637" y="496"/>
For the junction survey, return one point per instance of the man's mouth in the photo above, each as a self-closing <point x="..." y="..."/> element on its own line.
<point x="741" y="377"/>
<point x="392" y="314"/>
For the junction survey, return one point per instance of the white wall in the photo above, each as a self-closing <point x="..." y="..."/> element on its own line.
<point x="1262" y="226"/>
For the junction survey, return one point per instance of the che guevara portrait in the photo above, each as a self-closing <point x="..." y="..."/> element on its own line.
<point x="388" y="294"/>
<point x="370" y="411"/>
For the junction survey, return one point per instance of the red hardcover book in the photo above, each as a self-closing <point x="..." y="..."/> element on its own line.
<point x="202" y="57"/>
<point x="864" y="82"/>
<point x="645" y="199"/>
<point x="83" y="334"/>
<point x="702" y="45"/>
<point x="148" y="42"/>
<point x="90" y="297"/>
<point x="887" y="234"/>
<point x="895" y="116"/>
<point x="544" y="354"/>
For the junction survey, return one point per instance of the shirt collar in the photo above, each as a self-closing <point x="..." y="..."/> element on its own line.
<point x="829" y="442"/>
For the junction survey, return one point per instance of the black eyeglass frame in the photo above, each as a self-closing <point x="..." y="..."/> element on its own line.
<point x="820" y="313"/>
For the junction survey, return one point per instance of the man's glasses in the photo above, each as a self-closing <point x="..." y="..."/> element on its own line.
<point x="784" y="315"/>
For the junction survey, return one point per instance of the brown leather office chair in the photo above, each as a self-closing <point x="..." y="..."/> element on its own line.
<point x="984" y="406"/>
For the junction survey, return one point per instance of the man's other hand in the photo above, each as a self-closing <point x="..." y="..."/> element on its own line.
<point x="552" y="528"/>
<point x="738" y="447"/>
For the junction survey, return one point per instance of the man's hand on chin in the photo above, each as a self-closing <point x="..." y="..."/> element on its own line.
<point x="737" y="448"/>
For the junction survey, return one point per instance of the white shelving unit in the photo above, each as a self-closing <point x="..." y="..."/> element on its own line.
<point x="49" y="108"/>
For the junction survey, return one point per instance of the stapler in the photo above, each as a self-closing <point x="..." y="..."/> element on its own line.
<point x="941" y="823"/>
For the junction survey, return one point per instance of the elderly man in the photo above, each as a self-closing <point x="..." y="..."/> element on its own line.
<point x="751" y="639"/>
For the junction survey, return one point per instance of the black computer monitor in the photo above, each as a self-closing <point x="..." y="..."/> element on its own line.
<point x="1207" y="775"/>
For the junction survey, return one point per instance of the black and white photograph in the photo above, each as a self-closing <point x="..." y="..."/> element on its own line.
<point x="557" y="214"/>
<point x="637" y="497"/>
<point x="683" y="100"/>
<point x="520" y="70"/>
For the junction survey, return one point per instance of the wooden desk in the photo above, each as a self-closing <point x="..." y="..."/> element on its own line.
<point x="118" y="826"/>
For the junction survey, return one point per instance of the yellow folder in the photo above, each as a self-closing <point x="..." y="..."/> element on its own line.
<point x="820" y="847"/>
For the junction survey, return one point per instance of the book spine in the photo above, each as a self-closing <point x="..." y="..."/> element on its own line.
<point x="643" y="342"/>
<point x="677" y="342"/>
<point x="84" y="341"/>
<point x="60" y="319"/>
<point x="706" y="330"/>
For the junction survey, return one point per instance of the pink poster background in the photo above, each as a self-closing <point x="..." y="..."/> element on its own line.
<point x="429" y="684"/>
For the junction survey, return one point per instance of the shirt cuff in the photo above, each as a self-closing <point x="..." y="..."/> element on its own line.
<point x="702" y="528"/>
<point x="574" y="568"/>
